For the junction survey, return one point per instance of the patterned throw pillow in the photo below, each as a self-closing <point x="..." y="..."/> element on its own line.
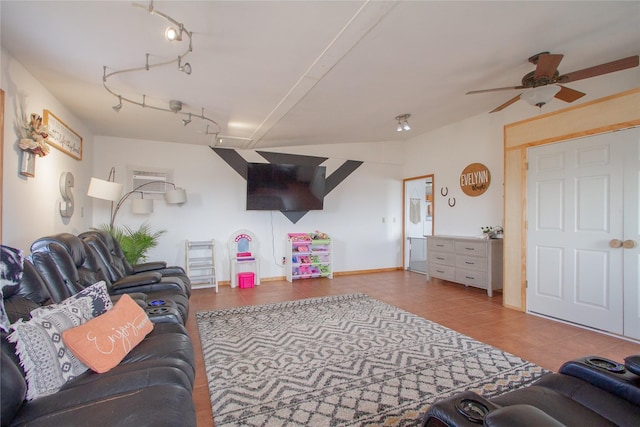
<point x="103" y="342"/>
<point x="96" y="295"/>
<point x="47" y="362"/>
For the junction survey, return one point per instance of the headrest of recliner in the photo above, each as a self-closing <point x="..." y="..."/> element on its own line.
<point x="72" y="244"/>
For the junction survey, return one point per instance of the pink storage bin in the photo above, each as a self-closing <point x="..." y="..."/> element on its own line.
<point x="246" y="280"/>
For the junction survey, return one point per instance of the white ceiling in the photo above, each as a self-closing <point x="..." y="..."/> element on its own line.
<point x="287" y="73"/>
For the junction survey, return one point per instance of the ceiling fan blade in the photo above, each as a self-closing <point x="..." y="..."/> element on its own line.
<point x="505" y="105"/>
<point x="609" y="67"/>
<point x="547" y="65"/>
<point x="569" y="95"/>
<point x="494" y="89"/>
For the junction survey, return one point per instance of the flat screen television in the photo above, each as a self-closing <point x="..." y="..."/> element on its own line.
<point x="285" y="187"/>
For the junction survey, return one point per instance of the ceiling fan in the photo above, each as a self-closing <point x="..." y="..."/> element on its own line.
<point x="543" y="82"/>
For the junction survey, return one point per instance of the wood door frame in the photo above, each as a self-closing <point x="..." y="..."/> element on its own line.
<point x="615" y="112"/>
<point x="404" y="213"/>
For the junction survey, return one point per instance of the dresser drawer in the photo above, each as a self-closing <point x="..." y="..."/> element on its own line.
<point x="445" y="272"/>
<point x="471" y="262"/>
<point x="471" y="248"/>
<point x="438" y="244"/>
<point x="471" y="277"/>
<point x="442" y="258"/>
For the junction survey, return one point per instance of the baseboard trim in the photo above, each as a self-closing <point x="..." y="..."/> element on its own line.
<point x="335" y="274"/>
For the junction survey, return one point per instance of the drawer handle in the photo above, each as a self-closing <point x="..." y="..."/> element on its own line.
<point x="440" y="246"/>
<point x="440" y="258"/>
<point x="440" y="271"/>
<point x="470" y="249"/>
<point x="470" y="263"/>
<point x="469" y="277"/>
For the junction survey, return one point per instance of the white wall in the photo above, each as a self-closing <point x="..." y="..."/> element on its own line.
<point x="352" y="213"/>
<point x="445" y="152"/>
<point x="30" y="205"/>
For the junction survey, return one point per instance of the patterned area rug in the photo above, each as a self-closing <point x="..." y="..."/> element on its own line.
<point x="347" y="360"/>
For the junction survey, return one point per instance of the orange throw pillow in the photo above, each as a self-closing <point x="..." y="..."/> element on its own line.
<point x="104" y="341"/>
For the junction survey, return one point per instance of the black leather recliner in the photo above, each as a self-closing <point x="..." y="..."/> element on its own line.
<point x="66" y="262"/>
<point x="118" y="267"/>
<point x="589" y="391"/>
<point x="151" y="386"/>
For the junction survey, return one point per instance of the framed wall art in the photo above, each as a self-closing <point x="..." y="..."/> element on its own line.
<point x="62" y="136"/>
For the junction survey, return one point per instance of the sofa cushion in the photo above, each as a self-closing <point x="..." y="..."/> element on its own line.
<point x="104" y="341"/>
<point x="13" y="389"/>
<point x="96" y="295"/>
<point x="47" y="362"/>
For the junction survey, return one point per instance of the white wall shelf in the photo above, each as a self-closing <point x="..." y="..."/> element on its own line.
<point x="200" y="261"/>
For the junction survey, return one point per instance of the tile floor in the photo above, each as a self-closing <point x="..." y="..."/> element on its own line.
<point x="467" y="310"/>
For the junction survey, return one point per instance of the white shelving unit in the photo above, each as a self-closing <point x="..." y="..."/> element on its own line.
<point x="200" y="261"/>
<point x="308" y="258"/>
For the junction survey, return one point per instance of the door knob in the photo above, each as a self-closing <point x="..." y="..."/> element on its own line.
<point x="629" y="244"/>
<point x="615" y="243"/>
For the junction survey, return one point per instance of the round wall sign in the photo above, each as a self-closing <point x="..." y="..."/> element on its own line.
<point x="475" y="179"/>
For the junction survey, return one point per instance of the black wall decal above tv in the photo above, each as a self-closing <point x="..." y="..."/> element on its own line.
<point x="285" y="187"/>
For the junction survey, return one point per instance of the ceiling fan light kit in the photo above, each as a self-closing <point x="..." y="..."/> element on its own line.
<point x="543" y="83"/>
<point x="538" y="96"/>
<point x="173" y="33"/>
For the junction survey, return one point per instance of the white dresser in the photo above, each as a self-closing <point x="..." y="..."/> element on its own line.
<point x="472" y="261"/>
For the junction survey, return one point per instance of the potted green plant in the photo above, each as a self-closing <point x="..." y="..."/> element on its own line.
<point x="135" y="243"/>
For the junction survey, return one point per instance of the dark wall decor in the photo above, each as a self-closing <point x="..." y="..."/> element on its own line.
<point x="239" y="164"/>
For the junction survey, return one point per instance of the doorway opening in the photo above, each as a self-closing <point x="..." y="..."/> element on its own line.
<point x="418" y="221"/>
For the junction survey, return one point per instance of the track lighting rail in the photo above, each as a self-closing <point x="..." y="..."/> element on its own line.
<point x="181" y="66"/>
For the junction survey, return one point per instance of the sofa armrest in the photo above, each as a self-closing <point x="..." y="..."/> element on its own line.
<point x="148" y="266"/>
<point x="521" y="416"/>
<point x="137" y="280"/>
<point x="463" y="409"/>
<point x="606" y="375"/>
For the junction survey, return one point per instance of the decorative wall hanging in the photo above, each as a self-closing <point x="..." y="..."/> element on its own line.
<point x="67" y="204"/>
<point x="452" y="201"/>
<point x="28" y="164"/>
<point x="33" y="143"/>
<point x="475" y="179"/>
<point x="444" y="191"/>
<point x="62" y="136"/>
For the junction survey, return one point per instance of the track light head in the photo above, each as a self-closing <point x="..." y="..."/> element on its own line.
<point x="186" y="68"/>
<point x="186" y="121"/>
<point x="118" y="107"/>
<point x="171" y="34"/>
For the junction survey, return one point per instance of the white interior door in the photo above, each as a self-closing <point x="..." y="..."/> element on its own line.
<point x="575" y="208"/>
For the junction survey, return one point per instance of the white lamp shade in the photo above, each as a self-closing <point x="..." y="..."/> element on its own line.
<point x="106" y="190"/>
<point x="176" y="196"/>
<point x="142" y="206"/>
<point x="540" y="95"/>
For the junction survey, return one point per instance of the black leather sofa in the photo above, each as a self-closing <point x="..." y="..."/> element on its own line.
<point x="590" y="391"/>
<point x="68" y="262"/>
<point x="151" y="386"/>
<point x="116" y="265"/>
